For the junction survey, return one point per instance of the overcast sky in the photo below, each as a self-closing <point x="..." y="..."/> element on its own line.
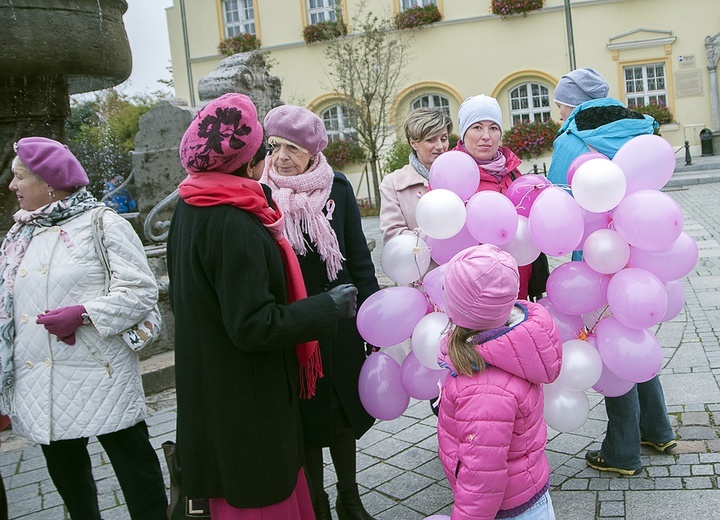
<point x="146" y="27"/>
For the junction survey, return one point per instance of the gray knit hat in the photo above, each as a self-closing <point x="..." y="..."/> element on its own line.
<point x="579" y="86"/>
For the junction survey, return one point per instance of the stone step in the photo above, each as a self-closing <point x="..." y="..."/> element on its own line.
<point x="158" y="372"/>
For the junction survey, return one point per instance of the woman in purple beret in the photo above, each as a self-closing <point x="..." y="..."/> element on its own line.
<point x="323" y="225"/>
<point x="65" y="372"/>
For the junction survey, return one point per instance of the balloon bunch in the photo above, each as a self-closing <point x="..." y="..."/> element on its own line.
<point x="634" y="253"/>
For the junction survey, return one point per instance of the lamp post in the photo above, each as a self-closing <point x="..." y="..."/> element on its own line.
<point x="569" y="29"/>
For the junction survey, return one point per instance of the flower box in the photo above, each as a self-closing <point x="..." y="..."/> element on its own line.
<point x="236" y="44"/>
<point x="531" y="139"/>
<point x="657" y="110"/>
<point x="416" y="17"/>
<point x="342" y="152"/>
<point x="506" y="8"/>
<point x="322" y="31"/>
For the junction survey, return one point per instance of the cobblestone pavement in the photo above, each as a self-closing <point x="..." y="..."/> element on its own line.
<point x="398" y="469"/>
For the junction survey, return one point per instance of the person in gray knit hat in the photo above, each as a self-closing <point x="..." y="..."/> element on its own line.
<point x="579" y="86"/>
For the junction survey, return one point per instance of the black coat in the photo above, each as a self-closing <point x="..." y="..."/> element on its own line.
<point x="343" y="355"/>
<point x="239" y="434"/>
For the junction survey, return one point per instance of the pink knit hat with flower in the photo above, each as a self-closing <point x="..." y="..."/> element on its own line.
<point x="53" y="162"/>
<point x="481" y="287"/>
<point x="224" y="135"/>
<point x="298" y="125"/>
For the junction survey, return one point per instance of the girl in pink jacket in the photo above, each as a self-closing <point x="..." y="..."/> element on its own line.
<point x="491" y="431"/>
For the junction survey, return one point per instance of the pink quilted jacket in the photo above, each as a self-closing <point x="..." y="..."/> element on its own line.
<point x="491" y="431"/>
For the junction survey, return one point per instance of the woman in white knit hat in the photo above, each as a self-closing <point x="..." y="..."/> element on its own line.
<point x="480" y="122"/>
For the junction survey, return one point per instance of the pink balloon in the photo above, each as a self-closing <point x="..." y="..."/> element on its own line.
<point x="380" y="387"/>
<point x="593" y="222"/>
<point x="419" y="381"/>
<point x="648" y="220"/>
<point x="611" y="385"/>
<point x="579" y="160"/>
<point x="637" y="298"/>
<point x="491" y="218"/>
<point x="631" y="354"/>
<point x="569" y="326"/>
<point x="671" y="263"/>
<point x="437" y="517"/>
<point x="556" y="223"/>
<point x="605" y="252"/>
<point x="521" y="247"/>
<point x="676" y="299"/>
<point x="648" y="162"/>
<point x="523" y="191"/>
<point x="575" y="288"/>
<point x="433" y="285"/>
<point x="443" y="249"/>
<point x="455" y="171"/>
<point x="389" y="316"/>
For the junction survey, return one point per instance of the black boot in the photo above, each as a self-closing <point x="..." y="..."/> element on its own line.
<point x="321" y="506"/>
<point x="348" y="505"/>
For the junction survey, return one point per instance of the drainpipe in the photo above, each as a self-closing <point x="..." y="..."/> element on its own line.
<point x="569" y="29"/>
<point x="187" y="53"/>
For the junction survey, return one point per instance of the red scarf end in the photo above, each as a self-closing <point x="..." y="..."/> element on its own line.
<point x="310" y="372"/>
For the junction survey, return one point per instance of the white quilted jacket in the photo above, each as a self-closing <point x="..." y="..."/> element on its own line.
<point x="92" y="387"/>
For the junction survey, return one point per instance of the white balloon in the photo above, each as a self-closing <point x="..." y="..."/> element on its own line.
<point x="598" y="185"/>
<point x="405" y="258"/>
<point x="440" y="213"/>
<point x="565" y="410"/>
<point x="605" y="251"/>
<point x="521" y="246"/>
<point x="581" y="365"/>
<point x="426" y="338"/>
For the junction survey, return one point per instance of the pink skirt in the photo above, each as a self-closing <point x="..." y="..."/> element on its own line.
<point x="296" y="506"/>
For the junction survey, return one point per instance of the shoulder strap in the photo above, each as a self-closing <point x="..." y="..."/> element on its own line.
<point x="98" y="234"/>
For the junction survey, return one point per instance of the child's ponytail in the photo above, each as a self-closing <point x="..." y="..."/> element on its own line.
<point x="462" y="353"/>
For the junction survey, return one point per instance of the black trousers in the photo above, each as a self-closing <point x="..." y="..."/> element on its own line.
<point x="136" y="466"/>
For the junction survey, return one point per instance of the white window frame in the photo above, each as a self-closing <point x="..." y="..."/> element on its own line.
<point x="643" y="84"/>
<point x="533" y="106"/>
<point x="409" y="4"/>
<point x="239" y="16"/>
<point x="432" y="101"/>
<point x="322" y="10"/>
<point x="338" y="124"/>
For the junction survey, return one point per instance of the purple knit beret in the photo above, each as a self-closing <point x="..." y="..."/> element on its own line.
<point x="53" y="162"/>
<point x="298" y="125"/>
<point x="224" y="135"/>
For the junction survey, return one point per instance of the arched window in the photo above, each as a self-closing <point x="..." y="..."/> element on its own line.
<point x="338" y="124"/>
<point x="530" y="102"/>
<point x="432" y="101"/>
<point x="321" y="10"/>
<point x="239" y="17"/>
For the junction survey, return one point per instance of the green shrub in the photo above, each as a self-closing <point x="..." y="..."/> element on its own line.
<point x="343" y="152"/>
<point x="241" y="43"/>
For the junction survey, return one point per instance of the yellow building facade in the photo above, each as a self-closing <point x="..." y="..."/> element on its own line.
<point x="647" y="50"/>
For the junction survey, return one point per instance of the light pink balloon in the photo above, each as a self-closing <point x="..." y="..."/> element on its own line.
<point x="631" y="354"/>
<point x="442" y="250"/>
<point x="575" y="288"/>
<point x="569" y="326"/>
<point x="581" y="365"/>
<point x="637" y="298"/>
<point x="565" y="410"/>
<point x="455" y="171"/>
<point x="648" y="162"/>
<point x="598" y="185"/>
<point x="523" y="191"/>
<point x="419" y="381"/>
<point x="611" y="385"/>
<point x="676" y="299"/>
<point x="440" y="213"/>
<point x="556" y="223"/>
<point x="390" y="315"/>
<point x="593" y="222"/>
<point x="579" y="160"/>
<point x="648" y="220"/>
<point x="521" y="247"/>
<point x="491" y="218"/>
<point x="605" y="252"/>
<point x="433" y="286"/>
<point x="671" y="263"/>
<point x="380" y="387"/>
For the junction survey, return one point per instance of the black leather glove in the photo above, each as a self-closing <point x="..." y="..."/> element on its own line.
<point x="345" y="299"/>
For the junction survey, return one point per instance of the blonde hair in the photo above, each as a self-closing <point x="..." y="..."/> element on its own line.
<point x="462" y="353"/>
<point x="426" y="122"/>
<point x="18" y="165"/>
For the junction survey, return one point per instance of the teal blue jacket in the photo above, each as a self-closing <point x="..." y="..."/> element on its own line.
<point x="606" y="139"/>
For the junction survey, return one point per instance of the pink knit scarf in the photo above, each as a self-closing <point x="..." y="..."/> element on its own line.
<point x="302" y="199"/>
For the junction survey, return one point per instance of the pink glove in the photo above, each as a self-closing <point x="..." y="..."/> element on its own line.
<point x="63" y="322"/>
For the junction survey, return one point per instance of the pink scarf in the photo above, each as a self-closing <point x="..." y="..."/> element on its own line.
<point x="494" y="166"/>
<point x="302" y="199"/>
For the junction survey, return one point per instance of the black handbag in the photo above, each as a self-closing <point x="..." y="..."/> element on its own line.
<point x="181" y="507"/>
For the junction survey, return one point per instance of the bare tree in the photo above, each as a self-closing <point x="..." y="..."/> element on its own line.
<point x="366" y="67"/>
